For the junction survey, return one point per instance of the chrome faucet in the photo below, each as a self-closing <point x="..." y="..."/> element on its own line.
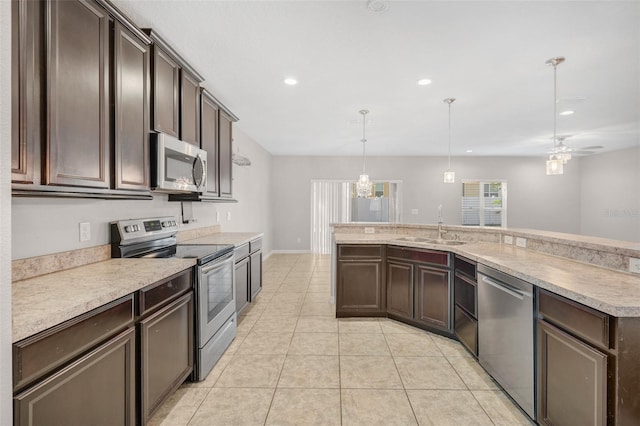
<point x="441" y="230"/>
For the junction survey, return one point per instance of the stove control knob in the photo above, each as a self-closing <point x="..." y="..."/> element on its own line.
<point x="136" y="228"/>
<point x="128" y="228"/>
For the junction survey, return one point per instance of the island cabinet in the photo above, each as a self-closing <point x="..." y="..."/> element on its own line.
<point x="175" y="94"/>
<point x="418" y="288"/>
<point x="65" y="144"/>
<point x="80" y="372"/>
<point x="360" y="287"/>
<point x="465" y="310"/>
<point x="588" y="365"/>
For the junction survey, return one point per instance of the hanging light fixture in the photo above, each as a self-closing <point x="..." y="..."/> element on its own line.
<point x="363" y="186"/>
<point x="556" y="159"/>
<point x="449" y="175"/>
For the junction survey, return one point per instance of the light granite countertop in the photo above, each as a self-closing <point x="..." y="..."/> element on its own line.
<point x="234" y="238"/>
<point x="613" y="292"/>
<point x="47" y="300"/>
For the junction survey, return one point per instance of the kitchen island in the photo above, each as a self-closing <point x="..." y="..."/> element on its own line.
<point x="587" y="316"/>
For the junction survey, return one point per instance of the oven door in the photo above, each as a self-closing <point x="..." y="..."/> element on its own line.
<point x="216" y="296"/>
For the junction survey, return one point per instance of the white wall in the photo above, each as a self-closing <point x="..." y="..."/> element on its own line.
<point x="49" y="225"/>
<point x="5" y="214"/>
<point x="610" y="195"/>
<point x="535" y="200"/>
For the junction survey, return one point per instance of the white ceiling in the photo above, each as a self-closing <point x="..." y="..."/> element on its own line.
<point x="490" y="55"/>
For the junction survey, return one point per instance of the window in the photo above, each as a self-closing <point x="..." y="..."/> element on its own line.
<point x="484" y="203"/>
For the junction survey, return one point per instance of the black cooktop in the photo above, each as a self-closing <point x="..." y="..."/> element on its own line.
<point x="204" y="253"/>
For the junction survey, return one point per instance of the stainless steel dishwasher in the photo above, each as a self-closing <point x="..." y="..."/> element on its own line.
<point x="506" y="334"/>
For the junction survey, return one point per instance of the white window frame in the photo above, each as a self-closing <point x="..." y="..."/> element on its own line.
<point x="481" y="204"/>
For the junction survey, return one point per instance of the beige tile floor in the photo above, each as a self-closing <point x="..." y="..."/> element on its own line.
<point x="294" y="363"/>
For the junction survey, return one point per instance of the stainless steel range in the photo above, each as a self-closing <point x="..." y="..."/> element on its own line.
<point x="216" y="318"/>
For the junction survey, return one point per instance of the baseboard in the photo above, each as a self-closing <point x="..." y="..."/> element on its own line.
<point x="289" y="252"/>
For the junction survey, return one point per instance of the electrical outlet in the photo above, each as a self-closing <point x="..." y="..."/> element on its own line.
<point x="369" y="230"/>
<point x="228" y="215"/>
<point x="507" y="239"/>
<point x="217" y="216"/>
<point x="634" y="265"/>
<point x="414" y="211"/>
<point x="299" y="240"/>
<point x="521" y="242"/>
<point x="85" y="231"/>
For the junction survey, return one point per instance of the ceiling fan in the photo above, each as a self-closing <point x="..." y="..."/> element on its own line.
<point x="564" y="152"/>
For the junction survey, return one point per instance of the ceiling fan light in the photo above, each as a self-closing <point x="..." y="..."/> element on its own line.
<point x="449" y="176"/>
<point x="564" y="156"/>
<point x="554" y="166"/>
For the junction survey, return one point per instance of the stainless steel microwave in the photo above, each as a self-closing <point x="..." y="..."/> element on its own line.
<point x="177" y="166"/>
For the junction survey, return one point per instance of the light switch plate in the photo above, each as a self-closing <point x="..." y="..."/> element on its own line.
<point x="507" y="239"/>
<point x="228" y="215"/>
<point x="521" y="242"/>
<point x="634" y="265"/>
<point x="414" y="211"/>
<point x="368" y="230"/>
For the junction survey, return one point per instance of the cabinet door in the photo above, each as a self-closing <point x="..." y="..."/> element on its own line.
<point x="242" y="277"/>
<point x="400" y="288"/>
<point x="209" y="140"/>
<point x="360" y="288"/>
<point x="572" y="380"/>
<point x="166" y="351"/>
<point x="78" y="94"/>
<point x="433" y="299"/>
<point x="226" y="138"/>
<point x="26" y="91"/>
<point x="97" y="389"/>
<point x="189" y="108"/>
<point x="131" y="68"/>
<point x="256" y="274"/>
<point x="166" y="91"/>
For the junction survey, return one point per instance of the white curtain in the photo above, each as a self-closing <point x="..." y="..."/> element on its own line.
<point x="330" y="203"/>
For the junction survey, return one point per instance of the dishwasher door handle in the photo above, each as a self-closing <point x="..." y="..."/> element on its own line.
<point x="509" y="290"/>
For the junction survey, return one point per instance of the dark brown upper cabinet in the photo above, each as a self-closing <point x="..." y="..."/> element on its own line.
<point x="225" y="150"/>
<point x="26" y="91"/>
<point x="189" y="108"/>
<point x="166" y="93"/>
<point x="209" y="139"/>
<point x="131" y="110"/>
<point x="77" y="54"/>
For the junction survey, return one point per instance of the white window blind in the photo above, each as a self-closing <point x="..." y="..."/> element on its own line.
<point x="484" y="203"/>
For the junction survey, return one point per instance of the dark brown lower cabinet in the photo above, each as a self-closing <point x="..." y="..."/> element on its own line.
<point x="572" y="380"/>
<point x="166" y="352"/>
<point x="96" y="389"/>
<point x="242" y="279"/>
<point x="360" y="288"/>
<point x="256" y="274"/>
<point x="433" y="300"/>
<point x="400" y="288"/>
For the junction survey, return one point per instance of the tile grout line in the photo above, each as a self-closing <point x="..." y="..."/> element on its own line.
<point x="413" y="411"/>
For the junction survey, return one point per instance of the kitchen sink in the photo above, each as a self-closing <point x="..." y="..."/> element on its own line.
<point x="431" y="241"/>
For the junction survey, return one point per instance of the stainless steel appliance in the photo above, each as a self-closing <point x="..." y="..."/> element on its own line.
<point x="216" y="318"/>
<point x="177" y="166"/>
<point x="506" y="334"/>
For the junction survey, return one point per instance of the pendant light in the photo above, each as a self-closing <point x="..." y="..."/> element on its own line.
<point x="556" y="160"/>
<point x="449" y="175"/>
<point x="363" y="186"/>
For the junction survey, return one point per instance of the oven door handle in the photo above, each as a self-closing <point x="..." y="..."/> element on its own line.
<point x="218" y="263"/>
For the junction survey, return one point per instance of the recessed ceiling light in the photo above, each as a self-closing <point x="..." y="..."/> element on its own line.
<point x="567" y="112"/>
<point x="424" y="82"/>
<point x="469" y="150"/>
<point x="290" y="81"/>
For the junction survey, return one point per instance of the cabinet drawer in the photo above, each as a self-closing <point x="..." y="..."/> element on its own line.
<point x="466" y="329"/>
<point x="255" y="245"/>
<point x="241" y="252"/>
<point x="38" y="355"/>
<point x="425" y="256"/>
<point x="364" y="251"/>
<point x="466" y="267"/>
<point x="465" y="293"/>
<point x="578" y="319"/>
<point x="159" y="293"/>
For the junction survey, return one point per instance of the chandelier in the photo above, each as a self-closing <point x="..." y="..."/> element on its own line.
<point x="363" y="186"/>
<point x="559" y="155"/>
<point x="449" y="175"/>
